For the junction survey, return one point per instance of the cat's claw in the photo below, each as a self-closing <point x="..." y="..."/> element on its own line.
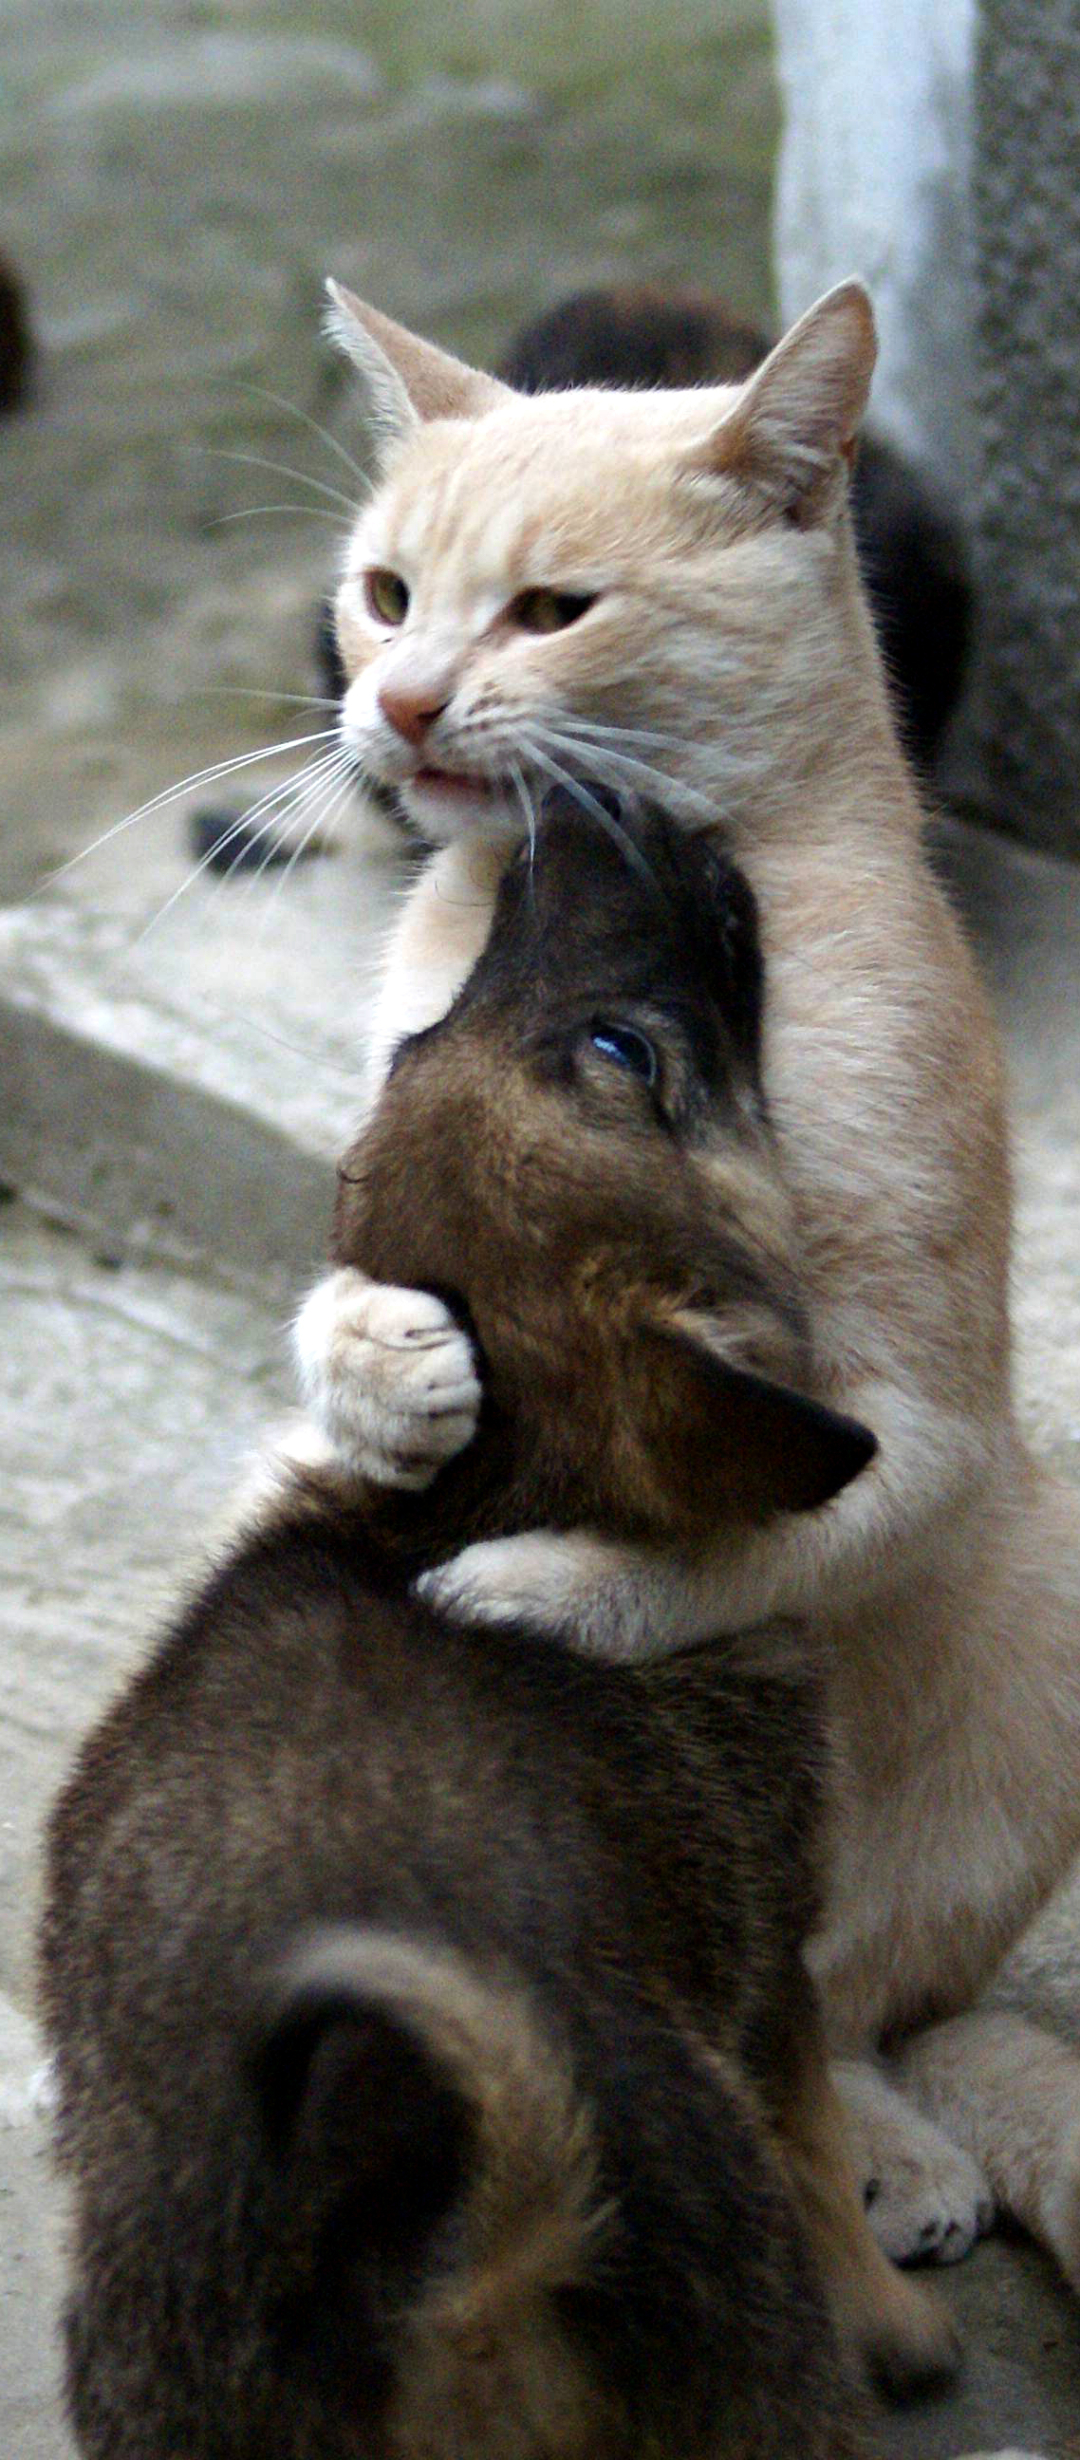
<point x="930" y="2212"/>
<point x="389" y="1376"/>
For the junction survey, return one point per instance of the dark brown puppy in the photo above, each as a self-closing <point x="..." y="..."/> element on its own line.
<point x="579" y="1154"/>
<point x="439" y="2074"/>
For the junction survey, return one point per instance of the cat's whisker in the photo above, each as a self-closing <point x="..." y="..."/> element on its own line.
<point x="247" y="691"/>
<point x="520" y="785"/>
<point x="333" y="792"/>
<point x="301" y="1050"/>
<point x="292" y="800"/>
<point x="281" y="469"/>
<point x="246" y="835"/>
<point x="187" y="785"/>
<point x="259" y="392"/>
<point x="275" y="814"/>
<point x="639" y="773"/>
<point x="308" y="512"/>
<point x="240" y="827"/>
<point x="574" y="786"/>
<point x="591" y="729"/>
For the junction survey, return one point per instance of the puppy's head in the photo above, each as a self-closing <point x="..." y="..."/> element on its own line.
<point x="579" y="1154"/>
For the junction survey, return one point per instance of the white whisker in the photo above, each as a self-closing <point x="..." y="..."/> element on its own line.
<point x="281" y="469"/>
<point x="260" y="393"/>
<point x="591" y="729"/>
<point x="640" y="774"/>
<point x="171" y="794"/>
<point x="240" y="826"/>
<point x="276" y="806"/>
<point x="308" y="512"/>
<point x="580" y="793"/>
<point x="519" y="783"/>
<point x="249" y="691"/>
<point x="335" y="789"/>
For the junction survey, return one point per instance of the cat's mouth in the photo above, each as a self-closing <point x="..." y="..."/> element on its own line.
<point x="469" y="784"/>
<point x="446" y="803"/>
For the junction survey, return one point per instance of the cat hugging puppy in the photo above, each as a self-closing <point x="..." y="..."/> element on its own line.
<point x="661" y="591"/>
<point x="440" y="2078"/>
<point x="658" y="590"/>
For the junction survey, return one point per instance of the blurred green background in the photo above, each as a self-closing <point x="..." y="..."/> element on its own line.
<point x="175" y="182"/>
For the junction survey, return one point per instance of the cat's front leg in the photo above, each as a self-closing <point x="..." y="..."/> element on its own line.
<point x="388" y="1377"/>
<point x="615" y="1601"/>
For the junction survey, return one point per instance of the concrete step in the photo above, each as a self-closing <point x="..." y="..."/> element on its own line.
<point x="179" y="1076"/>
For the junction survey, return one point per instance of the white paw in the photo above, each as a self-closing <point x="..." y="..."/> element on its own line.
<point x="926" y="2201"/>
<point x="527" y="1580"/>
<point x="389" y="1376"/>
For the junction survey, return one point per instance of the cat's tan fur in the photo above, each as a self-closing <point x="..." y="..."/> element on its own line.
<point x="712" y="527"/>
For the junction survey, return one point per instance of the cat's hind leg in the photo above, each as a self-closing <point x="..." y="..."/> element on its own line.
<point x="927" y="2198"/>
<point x="1009" y="2093"/>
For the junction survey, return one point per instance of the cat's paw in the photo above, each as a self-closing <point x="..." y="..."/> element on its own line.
<point x="926" y="2200"/>
<point x="530" y="1581"/>
<point x="389" y="1376"/>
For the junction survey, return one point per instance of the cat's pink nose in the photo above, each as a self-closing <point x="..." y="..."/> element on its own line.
<point x="410" y="711"/>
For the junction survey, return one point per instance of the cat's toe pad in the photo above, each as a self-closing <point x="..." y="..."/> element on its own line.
<point x="389" y="1375"/>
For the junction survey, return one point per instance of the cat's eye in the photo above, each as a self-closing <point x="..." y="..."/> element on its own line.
<point x="386" y="595"/>
<point x="548" y="610"/>
<point x="623" y="1047"/>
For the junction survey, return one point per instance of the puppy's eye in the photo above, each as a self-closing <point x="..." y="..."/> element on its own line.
<point x="386" y="595"/>
<point x="625" y="1048"/>
<point x="548" y="610"/>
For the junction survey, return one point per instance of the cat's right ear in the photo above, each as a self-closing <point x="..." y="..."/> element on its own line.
<point x="796" y="422"/>
<point x="403" y="379"/>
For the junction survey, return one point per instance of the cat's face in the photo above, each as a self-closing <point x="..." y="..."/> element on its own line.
<point x="619" y="588"/>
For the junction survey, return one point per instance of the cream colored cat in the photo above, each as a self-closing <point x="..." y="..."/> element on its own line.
<point x="660" y="589"/>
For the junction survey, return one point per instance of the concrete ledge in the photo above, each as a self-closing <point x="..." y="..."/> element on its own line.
<point x="178" y="1083"/>
<point x="148" y="1162"/>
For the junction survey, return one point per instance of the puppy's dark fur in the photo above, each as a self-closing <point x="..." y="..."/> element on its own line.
<point x="439" y="2074"/>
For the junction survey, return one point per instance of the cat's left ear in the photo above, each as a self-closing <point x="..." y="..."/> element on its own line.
<point x="405" y="380"/>
<point x="797" y="419"/>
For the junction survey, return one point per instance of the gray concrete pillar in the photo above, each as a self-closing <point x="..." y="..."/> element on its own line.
<point x="1026" y="190"/>
<point x="934" y="147"/>
<point x="873" y="178"/>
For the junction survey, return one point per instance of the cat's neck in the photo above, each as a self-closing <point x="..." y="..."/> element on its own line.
<point x="814" y="752"/>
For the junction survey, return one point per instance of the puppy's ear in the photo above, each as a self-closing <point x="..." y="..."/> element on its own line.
<point x="735" y="1445"/>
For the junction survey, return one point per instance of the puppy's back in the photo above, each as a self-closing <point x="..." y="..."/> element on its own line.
<point x="329" y="1861"/>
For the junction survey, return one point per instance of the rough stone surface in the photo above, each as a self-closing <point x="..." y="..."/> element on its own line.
<point x="180" y="1054"/>
<point x="128" y="1399"/>
<point x="1027" y="217"/>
